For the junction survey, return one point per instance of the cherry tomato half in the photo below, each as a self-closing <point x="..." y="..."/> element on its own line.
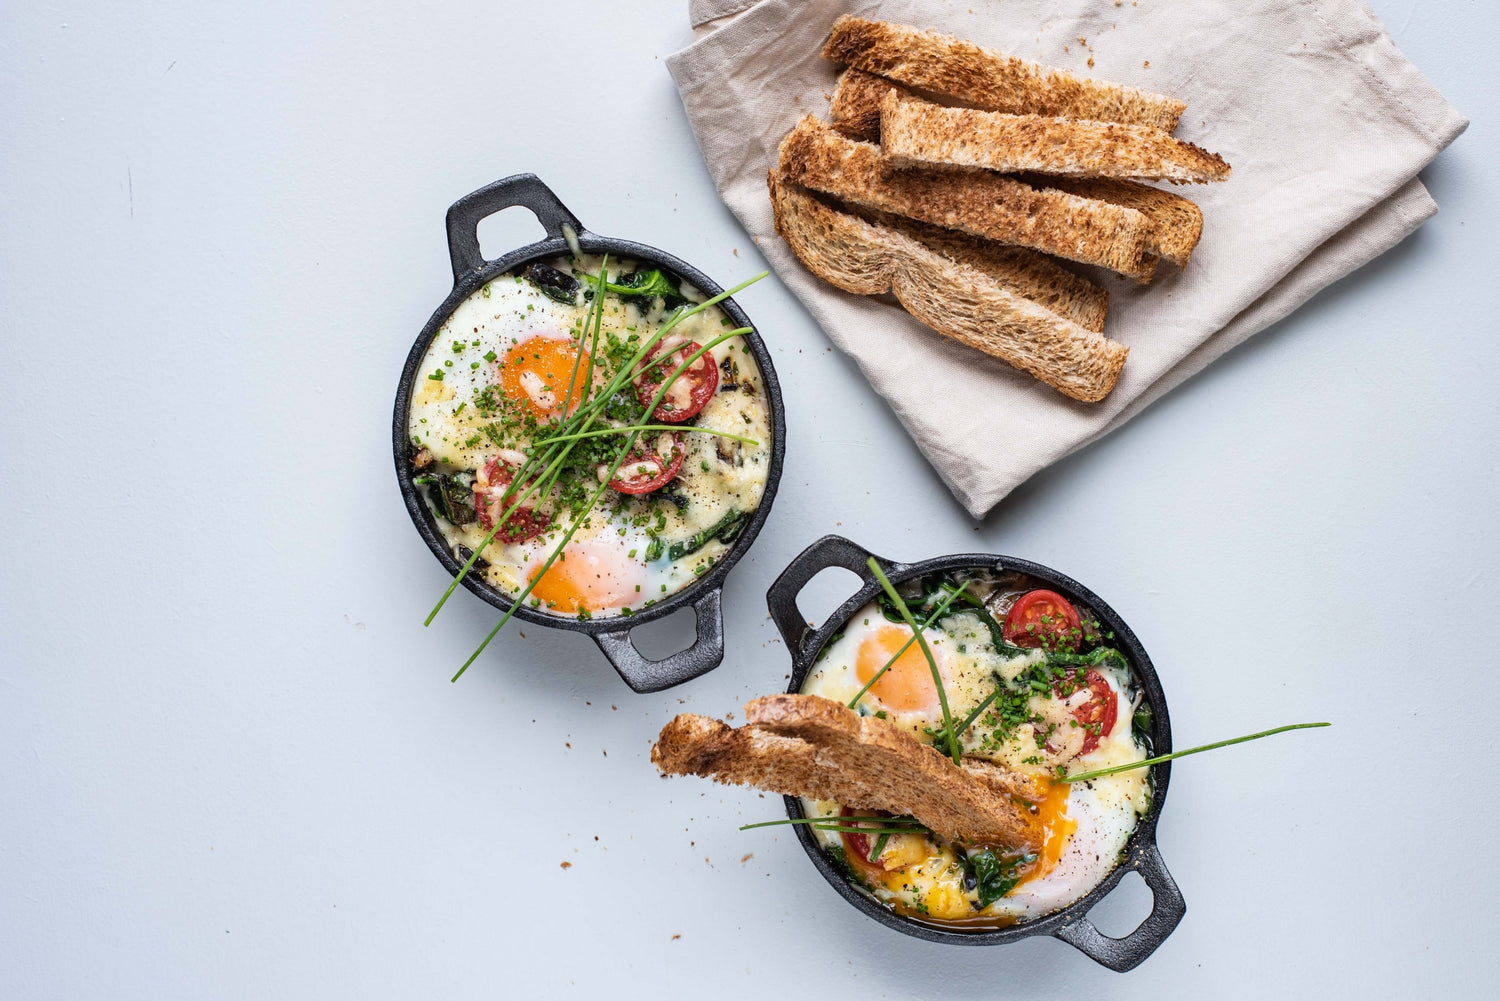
<point x="649" y="466"/>
<point x="490" y="501"/>
<point x="1042" y="618"/>
<point x="857" y="846"/>
<point x="689" y="392"/>
<point x="1097" y="716"/>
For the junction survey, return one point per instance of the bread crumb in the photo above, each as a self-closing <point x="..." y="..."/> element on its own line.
<point x="1091" y="66"/>
<point x="1147" y="64"/>
<point x="736" y="254"/>
<point x="676" y="937"/>
<point x="567" y="865"/>
<point x="747" y="857"/>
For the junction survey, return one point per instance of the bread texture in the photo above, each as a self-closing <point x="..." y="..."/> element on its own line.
<point x="933" y="61"/>
<point x="956" y="299"/>
<point x="1176" y="223"/>
<point x="855" y="108"/>
<point x="918" y="133"/>
<point x="1003" y="209"/>
<point x="805" y="745"/>
<point x="1027" y="273"/>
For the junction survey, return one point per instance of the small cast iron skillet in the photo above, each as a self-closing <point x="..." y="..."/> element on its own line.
<point x="470" y="272"/>
<point x="1071" y="924"/>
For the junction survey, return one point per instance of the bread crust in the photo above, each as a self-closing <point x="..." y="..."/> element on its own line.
<point x="1003" y="209"/>
<point x="917" y="133"/>
<point x="933" y="61"/>
<point x="806" y="745"/>
<point x="955" y="299"/>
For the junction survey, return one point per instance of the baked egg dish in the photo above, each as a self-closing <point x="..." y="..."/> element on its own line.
<point x="570" y="355"/>
<point x="1032" y="683"/>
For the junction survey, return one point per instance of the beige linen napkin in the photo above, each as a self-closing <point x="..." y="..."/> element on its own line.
<point x="1325" y="122"/>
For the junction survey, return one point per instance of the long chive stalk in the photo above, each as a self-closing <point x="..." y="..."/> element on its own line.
<point x="1100" y="772"/>
<point x="936" y="613"/>
<point x="888" y="821"/>
<point x="604" y="432"/>
<point x="937" y="679"/>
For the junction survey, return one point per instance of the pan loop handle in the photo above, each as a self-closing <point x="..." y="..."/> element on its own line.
<point x="525" y="190"/>
<point x="706" y="653"/>
<point x="1130" y="951"/>
<point x="829" y="551"/>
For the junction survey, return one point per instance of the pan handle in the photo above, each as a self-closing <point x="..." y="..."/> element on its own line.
<point x="829" y="551"/>
<point x="1167" y="908"/>
<point x="525" y="190"/>
<point x="706" y="653"/>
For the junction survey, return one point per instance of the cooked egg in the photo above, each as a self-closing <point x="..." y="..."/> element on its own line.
<point x="1086" y="825"/>
<point x="510" y="362"/>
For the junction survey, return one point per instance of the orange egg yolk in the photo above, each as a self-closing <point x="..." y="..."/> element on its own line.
<point x="586" y="578"/>
<point x="907" y="686"/>
<point x="1057" y="828"/>
<point x="538" y="371"/>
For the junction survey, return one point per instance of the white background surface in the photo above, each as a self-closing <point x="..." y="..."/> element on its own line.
<point x="231" y="763"/>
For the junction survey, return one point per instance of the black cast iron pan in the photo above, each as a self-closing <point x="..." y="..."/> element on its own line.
<point x="1071" y="924"/>
<point x="470" y="272"/>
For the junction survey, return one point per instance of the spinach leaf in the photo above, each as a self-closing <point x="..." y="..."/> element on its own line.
<point x="643" y="287"/>
<point x="995" y="875"/>
<point x="726" y="531"/>
<point x="552" y="282"/>
<point x="452" y="498"/>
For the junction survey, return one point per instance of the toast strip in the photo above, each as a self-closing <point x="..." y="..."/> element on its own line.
<point x="1176" y="222"/>
<point x="1027" y="273"/>
<point x="804" y="745"/>
<point x="1003" y="209"/>
<point x="955" y="299"/>
<point x="918" y="133"/>
<point x="932" y="61"/>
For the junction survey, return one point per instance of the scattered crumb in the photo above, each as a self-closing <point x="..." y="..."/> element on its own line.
<point x="745" y="858"/>
<point x="1091" y="66"/>
<point x="565" y="743"/>
<point x="1147" y="64"/>
<point x="603" y="752"/>
<point x="523" y="635"/>
<point x="736" y="253"/>
<point x="616" y="708"/>
<point x="674" y="937"/>
<point x="596" y="837"/>
<point x="566" y="865"/>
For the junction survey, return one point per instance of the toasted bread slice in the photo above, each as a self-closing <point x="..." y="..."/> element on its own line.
<point x="943" y="64"/>
<point x="1003" y="209"/>
<point x="805" y="745"/>
<point x="1176" y="222"/>
<point x="919" y="133"/>
<point x="1027" y="273"/>
<point x="955" y="299"/>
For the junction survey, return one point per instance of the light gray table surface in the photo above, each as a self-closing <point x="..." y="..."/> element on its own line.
<point x="231" y="763"/>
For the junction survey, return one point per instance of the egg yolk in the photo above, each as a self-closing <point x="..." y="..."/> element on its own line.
<point x="1057" y="828"/>
<point x="586" y="578"/>
<point x="538" y="371"/>
<point x="907" y="686"/>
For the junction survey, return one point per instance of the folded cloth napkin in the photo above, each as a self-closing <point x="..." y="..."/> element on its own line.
<point x="1325" y="122"/>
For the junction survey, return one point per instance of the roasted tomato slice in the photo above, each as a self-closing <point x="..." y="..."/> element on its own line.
<point x="490" y="501"/>
<point x="857" y="846"/>
<point x="689" y="392"/>
<point x="649" y="466"/>
<point x="1043" y="618"/>
<point x="1096" y="717"/>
